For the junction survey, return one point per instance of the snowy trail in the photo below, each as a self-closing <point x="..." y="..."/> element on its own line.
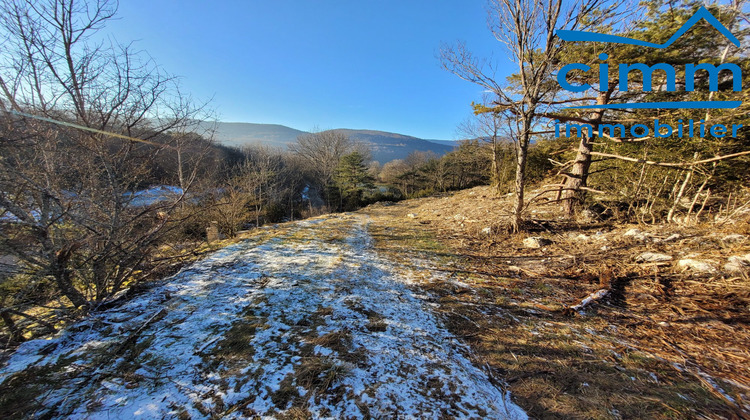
<point x="305" y="323"/>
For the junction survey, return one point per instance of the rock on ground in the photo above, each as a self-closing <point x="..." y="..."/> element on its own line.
<point x="734" y="238"/>
<point x="636" y="234"/>
<point x="738" y="264"/>
<point x="535" y="242"/>
<point x="697" y="266"/>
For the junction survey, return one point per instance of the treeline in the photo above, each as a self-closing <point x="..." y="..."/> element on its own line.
<point x="327" y="172"/>
<point x="676" y="175"/>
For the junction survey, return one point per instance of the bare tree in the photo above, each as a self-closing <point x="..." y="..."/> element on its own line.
<point x="488" y="127"/>
<point x="260" y="176"/>
<point x="526" y="28"/>
<point x="230" y="206"/>
<point x="82" y="125"/>
<point x="391" y="174"/>
<point x="321" y="152"/>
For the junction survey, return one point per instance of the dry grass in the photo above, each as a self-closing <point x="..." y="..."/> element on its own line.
<point x="236" y="342"/>
<point x="666" y="344"/>
<point x="338" y="341"/>
<point x="316" y="374"/>
<point x="294" y="413"/>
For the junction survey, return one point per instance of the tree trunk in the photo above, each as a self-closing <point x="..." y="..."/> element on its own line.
<point x="520" y="184"/>
<point x="495" y="165"/>
<point x="61" y="274"/>
<point x="522" y="148"/>
<point x="573" y="194"/>
<point x="15" y="332"/>
<point x="67" y="289"/>
<point x="576" y="178"/>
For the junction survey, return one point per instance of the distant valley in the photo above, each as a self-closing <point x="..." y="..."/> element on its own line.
<point x="384" y="146"/>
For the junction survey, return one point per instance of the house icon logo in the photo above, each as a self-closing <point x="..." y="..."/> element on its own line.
<point x="702" y="13"/>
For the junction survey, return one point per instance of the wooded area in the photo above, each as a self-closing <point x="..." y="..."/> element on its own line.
<point x="531" y="105"/>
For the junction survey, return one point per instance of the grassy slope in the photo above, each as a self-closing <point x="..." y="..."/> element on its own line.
<point x="668" y="345"/>
<point x="671" y="345"/>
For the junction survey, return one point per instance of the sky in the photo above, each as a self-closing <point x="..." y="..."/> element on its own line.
<point x="318" y="63"/>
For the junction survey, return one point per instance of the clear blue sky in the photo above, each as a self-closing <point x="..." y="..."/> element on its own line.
<point x="325" y="63"/>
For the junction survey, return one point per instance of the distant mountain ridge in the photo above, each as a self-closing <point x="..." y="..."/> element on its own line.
<point x="384" y="146"/>
<point x="241" y="134"/>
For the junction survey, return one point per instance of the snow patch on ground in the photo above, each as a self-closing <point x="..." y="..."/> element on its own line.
<point x="392" y="357"/>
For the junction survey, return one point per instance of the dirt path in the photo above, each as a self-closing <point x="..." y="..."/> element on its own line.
<point x="309" y="323"/>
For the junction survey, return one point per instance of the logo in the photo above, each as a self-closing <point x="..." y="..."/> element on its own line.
<point x="624" y="71"/>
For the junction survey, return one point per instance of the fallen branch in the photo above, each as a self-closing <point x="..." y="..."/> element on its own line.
<point x="32" y="318"/>
<point x="683" y="165"/>
<point x="590" y="299"/>
<point x="134" y="336"/>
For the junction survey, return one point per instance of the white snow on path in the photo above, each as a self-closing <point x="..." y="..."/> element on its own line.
<point x="335" y="329"/>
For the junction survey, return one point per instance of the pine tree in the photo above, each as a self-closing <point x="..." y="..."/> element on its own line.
<point x="352" y="179"/>
<point x="701" y="44"/>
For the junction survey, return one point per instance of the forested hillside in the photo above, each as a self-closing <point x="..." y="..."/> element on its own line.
<point x="384" y="147"/>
